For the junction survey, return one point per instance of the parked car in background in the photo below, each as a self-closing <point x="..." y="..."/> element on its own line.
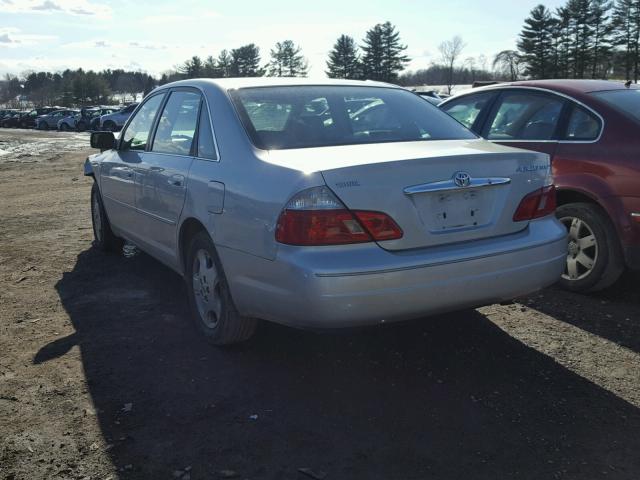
<point x="300" y="212"/>
<point x="589" y="128"/>
<point x="29" y="120"/>
<point x="7" y="113"/>
<point x="113" y="122"/>
<point x="50" y="120"/>
<point x="90" y="117"/>
<point x="12" y="120"/>
<point x="430" y="96"/>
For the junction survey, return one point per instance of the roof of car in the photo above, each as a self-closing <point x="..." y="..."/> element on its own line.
<point x="245" y="82"/>
<point x="569" y="87"/>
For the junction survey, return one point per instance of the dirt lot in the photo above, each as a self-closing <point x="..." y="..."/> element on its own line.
<point x="103" y="377"/>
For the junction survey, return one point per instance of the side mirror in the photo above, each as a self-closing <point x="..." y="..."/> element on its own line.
<point x="103" y="140"/>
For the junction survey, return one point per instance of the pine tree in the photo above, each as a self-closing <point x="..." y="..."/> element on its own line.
<point x="382" y="58"/>
<point x="601" y="28"/>
<point x="535" y="42"/>
<point x="393" y="60"/>
<point x="581" y="33"/>
<point x="224" y="64"/>
<point x="210" y="68"/>
<point x="287" y="61"/>
<point x="344" y="61"/>
<point x="245" y="61"/>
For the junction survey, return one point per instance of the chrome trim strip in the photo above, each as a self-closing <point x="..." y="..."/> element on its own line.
<point x="438" y="264"/>
<point x="450" y="185"/>
<point x="635" y="214"/>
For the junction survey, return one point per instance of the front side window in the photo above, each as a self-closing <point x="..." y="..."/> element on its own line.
<point x="582" y="125"/>
<point x="525" y="116"/>
<point x="177" y="124"/>
<point x="319" y="116"/>
<point x="467" y="109"/>
<point x="136" y="135"/>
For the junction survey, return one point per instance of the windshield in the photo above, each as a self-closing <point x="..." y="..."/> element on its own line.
<point x="625" y="101"/>
<point x="319" y="116"/>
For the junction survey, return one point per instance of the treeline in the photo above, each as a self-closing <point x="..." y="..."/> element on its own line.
<point x="74" y="87"/>
<point x="379" y="57"/>
<point x="583" y="39"/>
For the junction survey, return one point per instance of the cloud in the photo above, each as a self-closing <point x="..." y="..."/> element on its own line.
<point x="177" y="18"/>
<point x="11" y="37"/>
<point x="71" y="7"/>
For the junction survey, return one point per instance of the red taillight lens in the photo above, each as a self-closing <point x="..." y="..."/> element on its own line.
<point x="537" y="204"/>
<point x="317" y="217"/>
<point x="380" y="225"/>
<point x="319" y="227"/>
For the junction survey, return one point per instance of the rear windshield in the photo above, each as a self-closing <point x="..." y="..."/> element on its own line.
<point x="319" y="116"/>
<point x="626" y="101"/>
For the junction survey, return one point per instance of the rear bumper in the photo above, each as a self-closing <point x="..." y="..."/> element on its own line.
<point x="364" y="284"/>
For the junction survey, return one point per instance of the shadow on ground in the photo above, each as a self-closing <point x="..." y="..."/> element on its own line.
<point x="613" y="313"/>
<point x="451" y="397"/>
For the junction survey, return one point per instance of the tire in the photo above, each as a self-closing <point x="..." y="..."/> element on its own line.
<point x="109" y="126"/>
<point x="43" y="126"/>
<point x="104" y="238"/>
<point x="81" y="126"/>
<point x="594" y="260"/>
<point x="210" y="302"/>
<point x="64" y="127"/>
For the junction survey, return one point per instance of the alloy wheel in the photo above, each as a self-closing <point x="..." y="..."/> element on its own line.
<point x="582" y="249"/>
<point x="206" y="288"/>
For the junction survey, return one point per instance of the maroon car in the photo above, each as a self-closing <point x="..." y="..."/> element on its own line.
<point x="591" y="131"/>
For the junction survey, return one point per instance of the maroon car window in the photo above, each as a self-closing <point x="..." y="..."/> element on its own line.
<point x="525" y="116"/>
<point x="582" y="125"/>
<point x="467" y="109"/>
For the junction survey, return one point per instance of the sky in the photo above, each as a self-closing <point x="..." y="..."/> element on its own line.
<point x="157" y="35"/>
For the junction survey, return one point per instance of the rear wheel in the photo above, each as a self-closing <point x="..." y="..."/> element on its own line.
<point x="81" y="126"/>
<point x="64" y="127"/>
<point x="109" y="126"/>
<point x="210" y="301"/>
<point x="43" y="126"/>
<point x="594" y="257"/>
<point x="104" y="238"/>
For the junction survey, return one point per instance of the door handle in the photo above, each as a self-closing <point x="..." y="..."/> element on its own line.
<point x="176" y="180"/>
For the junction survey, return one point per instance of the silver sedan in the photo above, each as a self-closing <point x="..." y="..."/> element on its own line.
<point x="322" y="204"/>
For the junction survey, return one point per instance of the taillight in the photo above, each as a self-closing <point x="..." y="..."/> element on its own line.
<point x="538" y="203"/>
<point x="316" y="217"/>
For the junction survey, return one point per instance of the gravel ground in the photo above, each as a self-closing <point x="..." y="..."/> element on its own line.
<point x="103" y="377"/>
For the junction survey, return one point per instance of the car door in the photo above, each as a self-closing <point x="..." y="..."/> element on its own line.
<point x="117" y="171"/>
<point x="161" y="176"/>
<point x="524" y="118"/>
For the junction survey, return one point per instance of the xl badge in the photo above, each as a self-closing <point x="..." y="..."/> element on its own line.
<point x="462" y="179"/>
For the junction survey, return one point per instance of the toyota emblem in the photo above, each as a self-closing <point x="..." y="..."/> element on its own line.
<point x="462" y="179"/>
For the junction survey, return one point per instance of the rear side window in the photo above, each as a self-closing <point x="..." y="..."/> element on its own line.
<point x="525" y="116"/>
<point x="317" y="116"/>
<point x="206" y="146"/>
<point x="626" y="101"/>
<point x="582" y="125"/>
<point x="467" y="109"/>
<point x="177" y="125"/>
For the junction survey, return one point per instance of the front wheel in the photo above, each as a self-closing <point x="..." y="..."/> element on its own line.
<point x="210" y="300"/>
<point x="43" y="126"/>
<point x="64" y="127"/>
<point x="594" y="256"/>
<point x="104" y="238"/>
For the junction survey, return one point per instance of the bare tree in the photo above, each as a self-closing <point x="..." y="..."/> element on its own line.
<point x="450" y="51"/>
<point x="507" y="62"/>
